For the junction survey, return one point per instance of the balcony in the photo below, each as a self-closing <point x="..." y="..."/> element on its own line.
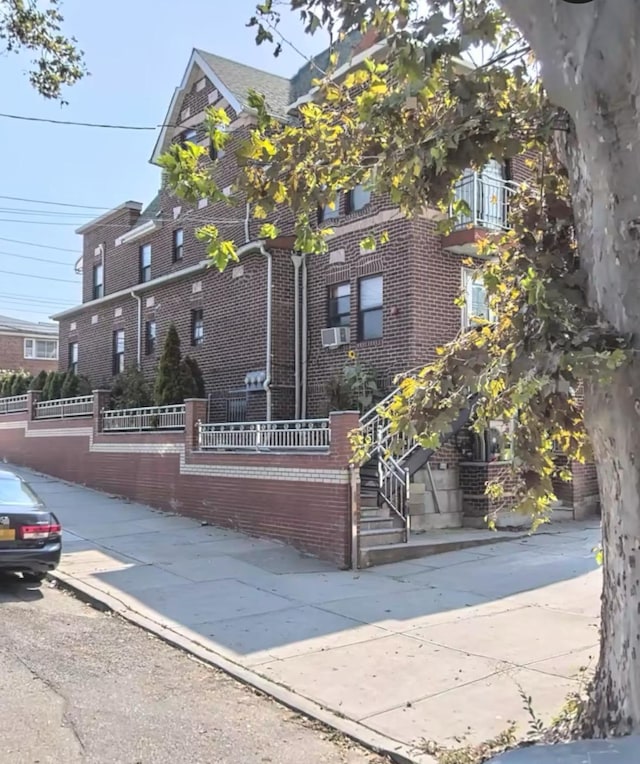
<point x="488" y="197"/>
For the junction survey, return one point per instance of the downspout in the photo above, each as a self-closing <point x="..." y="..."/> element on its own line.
<point x="297" y="262"/>
<point x="303" y="407"/>
<point x="246" y="223"/>
<point x="137" y="297"/>
<point x="267" y="381"/>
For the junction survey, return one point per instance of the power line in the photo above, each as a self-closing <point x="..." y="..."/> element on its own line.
<point x="41" y="246"/>
<point x="29" y="298"/>
<point x="43" y="278"/>
<point x="55" y="204"/>
<point x="105" y="126"/>
<point x="37" y="259"/>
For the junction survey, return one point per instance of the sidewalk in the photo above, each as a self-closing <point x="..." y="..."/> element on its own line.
<point x="432" y="649"/>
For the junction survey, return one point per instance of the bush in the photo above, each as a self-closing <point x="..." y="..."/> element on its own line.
<point x="21" y="383"/>
<point x="46" y="388"/>
<point x="84" y="385"/>
<point x="130" y="390"/>
<point x="168" y="386"/>
<point x="37" y="383"/>
<point x="69" y="387"/>
<point x="7" y="383"/>
<point x="192" y="379"/>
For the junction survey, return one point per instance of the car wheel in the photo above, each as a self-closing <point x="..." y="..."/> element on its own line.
<point x="34" y="578"/>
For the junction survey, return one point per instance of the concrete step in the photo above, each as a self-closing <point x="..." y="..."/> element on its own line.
<point x="381" y="537"/>
<point x="368" y="502"/>
<point x="436" y="522"/>
<point x="381" y="523"/>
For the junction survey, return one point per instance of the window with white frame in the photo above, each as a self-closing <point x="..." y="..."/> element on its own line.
<point x="476" y="300"/>
<point x="41" y="350"/>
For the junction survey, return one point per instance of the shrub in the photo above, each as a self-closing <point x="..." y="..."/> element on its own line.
<point x="69" y="387"/>
<point x="192" y="379"/>
<point x="20" y="383"/>
<point x="130" y="390"/>
<point x="37" y="383"/>
<point x="168" y="385"/>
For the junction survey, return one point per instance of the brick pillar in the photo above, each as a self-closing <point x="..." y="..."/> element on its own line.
<point x="101" y="399"/>
<point x="33" y="396"/>
<point x="341" y="424"/>
<point x="195" y="411"/>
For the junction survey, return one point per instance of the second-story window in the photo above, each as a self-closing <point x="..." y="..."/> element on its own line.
<point x="357" y="199"/>
<point x="73" y="357"/>
<point x="41" y="350"/>
<point x="370" y="308"/>
<point x="98" y="281"/>
<point x="189" y="135"/>
<point x="118" y="351"/>
<point x="145" y="263"/>
<point x="476" y="303"/>
<point x="197" y="326"/>
<point x="340" y="304"/>
<point x="329" y="211"/>
<point x="178" y="245"/>
<point x="150" y="337"/>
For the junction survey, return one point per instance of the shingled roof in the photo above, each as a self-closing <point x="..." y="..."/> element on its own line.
<point x="18" y="326"/>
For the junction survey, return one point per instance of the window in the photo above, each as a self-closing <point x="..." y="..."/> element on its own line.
<point x="150" y="337"/>
<point x="98" y="281"/>
<point x="329" y="212"/>
<point x="197" y="326"/>
<point x="145" y="263"/>
<point x="118" y="351"/>
<point x="41" y="350"/>
<point x="357" y="199"/>
<point x="340" y="304"/>
<point x="476" y="304"/>
<point x="189" y="135"/>
<point x="73" y="357"/>
<point x="370" y="308"/>
<point x="178" y="244"/>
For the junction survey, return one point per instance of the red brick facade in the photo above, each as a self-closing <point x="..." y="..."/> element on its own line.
<point x="12" y="354"/>
<point x="302" y="499"/>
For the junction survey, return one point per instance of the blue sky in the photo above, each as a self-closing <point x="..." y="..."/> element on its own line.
<point x="136" y="53"/>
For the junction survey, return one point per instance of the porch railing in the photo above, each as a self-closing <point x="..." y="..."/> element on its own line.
<point x="13" y="405"/>
<point x="291" y="435"/>
<point x="65" y="407"/>
<point x="149" y="418"/>
<point x="488" y="199"/>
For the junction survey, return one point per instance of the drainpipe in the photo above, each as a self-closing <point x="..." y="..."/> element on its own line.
<point x="303" y="408"/>
<point x="246" y="223"/>
<point x="297" y="262"/>
<point x="258" y="246"/>
<point x="137" y="297"/>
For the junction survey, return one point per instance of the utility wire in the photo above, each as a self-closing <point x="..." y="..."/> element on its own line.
<point x="43" y="278"/>
<point x="40" y="246"/>
<point x="29" y="298"/>
<point x="105" y="126"/>
<point x="66" y="264"/>
<point x="56" y="204"/>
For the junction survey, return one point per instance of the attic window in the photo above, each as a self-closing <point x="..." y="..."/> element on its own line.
<point x="189" y="135"/>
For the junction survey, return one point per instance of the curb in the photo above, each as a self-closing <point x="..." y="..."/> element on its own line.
<point x="376" y="742"/>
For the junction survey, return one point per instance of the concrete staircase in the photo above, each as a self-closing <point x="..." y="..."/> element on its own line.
<point x="379" y="525"/>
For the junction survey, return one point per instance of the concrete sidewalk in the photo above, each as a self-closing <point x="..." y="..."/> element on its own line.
<point x="432" y="649"/>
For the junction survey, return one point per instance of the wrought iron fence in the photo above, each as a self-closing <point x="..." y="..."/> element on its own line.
<point x="13" y="405"/>
<point x="150" y="418"/>
<point x="65" y="407"/>
<point x="291" y="435"/>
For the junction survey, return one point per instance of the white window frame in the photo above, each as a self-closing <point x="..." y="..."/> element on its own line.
<point x="31" y="349"/>
<point x="471" y="278"/>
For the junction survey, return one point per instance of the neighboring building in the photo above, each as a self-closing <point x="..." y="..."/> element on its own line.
<point x="143" y="269"/>
<point x="27" y="345"/>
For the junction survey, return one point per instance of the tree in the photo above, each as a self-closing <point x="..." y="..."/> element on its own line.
<point x="168" y="386"/>
<point x="20" y="383"/>
<point x="130" y="390"/>
<point x="70" y="384"/>
<point x="26" y="27"/>
<point x="192" y="379"/>
<point x="564" y="282"/>
<point x="37" y="383"/>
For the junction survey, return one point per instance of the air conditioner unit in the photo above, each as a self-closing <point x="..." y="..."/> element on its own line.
<point x="333" y="338"/>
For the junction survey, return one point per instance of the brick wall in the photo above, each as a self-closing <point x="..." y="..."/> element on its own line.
<point x="12" y="355"/>
<point x="302" y="499"/>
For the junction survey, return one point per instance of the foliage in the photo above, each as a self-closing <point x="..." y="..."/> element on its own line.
<point x="168" y="385"/>
<point x="57" y="62"/>
<point x="130" y="390"/>
<point x="38" y="381"/>
<point x="70" y="384"/>
<point x="192" y="378"/>
<point x="355" y="388"/>
<point x="14" y="382"/>
<point x="46" y="387"/>
<point x="21" y="383"/>
<point x="477" y="754"/>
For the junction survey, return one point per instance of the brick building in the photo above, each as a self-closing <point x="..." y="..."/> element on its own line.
<point x="27" y="345"/>
<point x="258" y="329"/>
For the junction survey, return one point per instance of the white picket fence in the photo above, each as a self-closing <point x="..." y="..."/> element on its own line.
<point x="290" y="435"/>
<point x="13" y="405"/>
<point x="141" y="419"/>
<point x="62" y="408"/>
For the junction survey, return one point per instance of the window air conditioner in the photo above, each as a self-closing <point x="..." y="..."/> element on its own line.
<point x="336" y="336"/>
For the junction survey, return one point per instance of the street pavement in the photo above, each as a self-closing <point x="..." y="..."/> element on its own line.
<point x="437" y="649"/>
<point x="82" y="686"/>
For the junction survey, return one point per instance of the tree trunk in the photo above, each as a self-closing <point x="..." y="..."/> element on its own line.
<point x="590" y="56"/>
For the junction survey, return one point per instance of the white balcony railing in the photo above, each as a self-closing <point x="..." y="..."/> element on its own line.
<point x="13" y="405"/>
<point x="292" y="435"/>
<point x="65" y="407"/>
<point x="150" y="418"/>
<point x="488" y="200"/>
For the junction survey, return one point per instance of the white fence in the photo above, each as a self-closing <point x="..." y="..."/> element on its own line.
<point x="137" y="420"/>
<point x="488" y="200"/>
<point x="65" y="407"/>
<point x="292" y="435"/>
<point x="13" y="405"/>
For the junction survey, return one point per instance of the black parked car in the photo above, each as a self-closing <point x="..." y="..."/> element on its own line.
<point x="30" y="535"/>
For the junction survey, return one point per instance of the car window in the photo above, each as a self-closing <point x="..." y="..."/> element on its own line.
<point x="16" y="492"/>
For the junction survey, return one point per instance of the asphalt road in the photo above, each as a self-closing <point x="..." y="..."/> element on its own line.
<point x="82" y="686"/>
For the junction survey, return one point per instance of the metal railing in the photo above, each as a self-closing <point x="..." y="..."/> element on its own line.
<point x="65" y="407"/>
<point x="394" y="489"/>
<point x="488" y="199"/>
<point x="150" y="418"/>
<point x="290" y="435"/>
<point x="13" y="405"/>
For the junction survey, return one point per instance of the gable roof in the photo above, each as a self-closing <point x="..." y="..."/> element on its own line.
<point x="18" y="326"/>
